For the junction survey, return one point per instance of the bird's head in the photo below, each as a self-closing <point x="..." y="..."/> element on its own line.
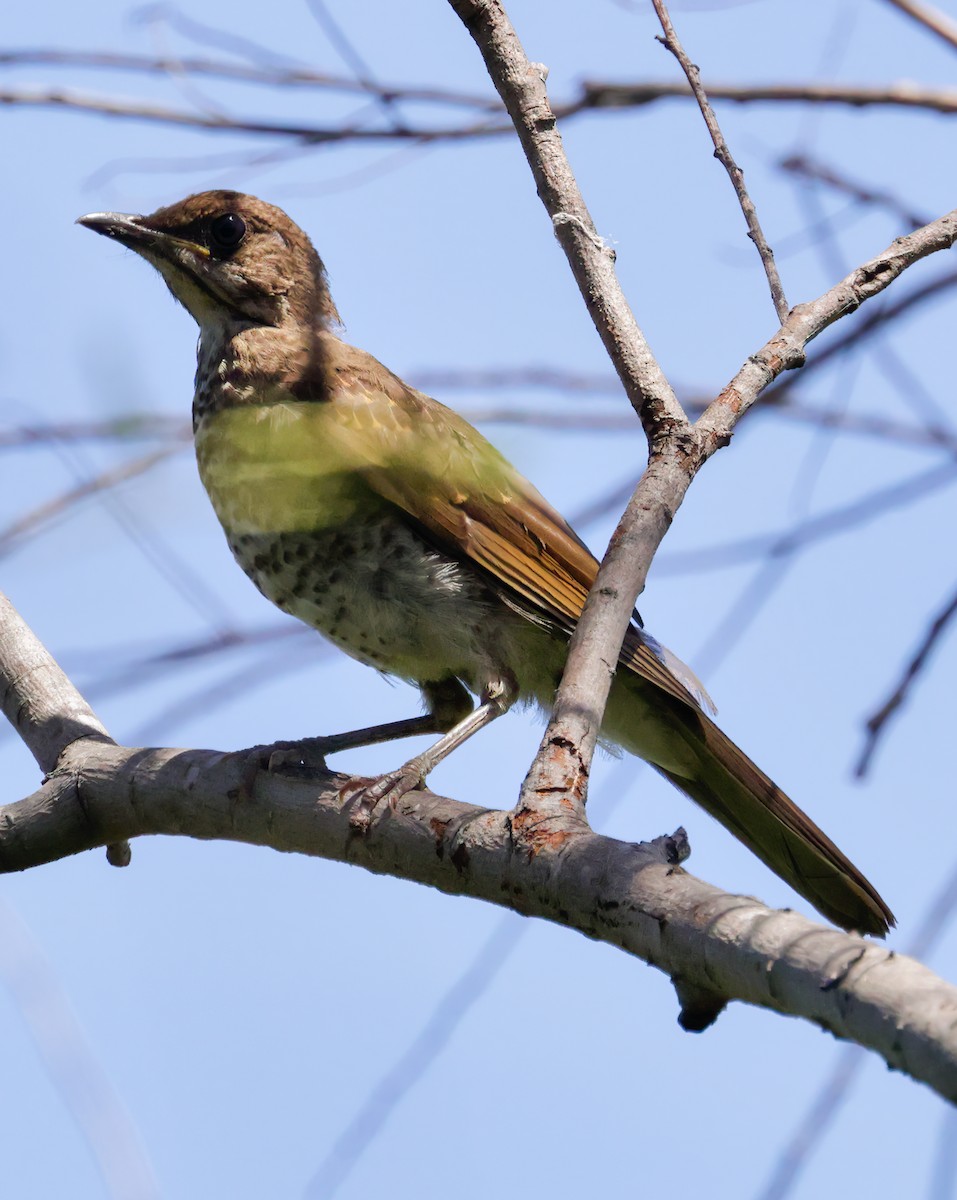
<point x="228" y="257"/>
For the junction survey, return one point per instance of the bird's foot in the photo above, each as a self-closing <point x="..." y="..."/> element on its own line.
<point x="304" y="758"/>
<point x="370" y="796"/>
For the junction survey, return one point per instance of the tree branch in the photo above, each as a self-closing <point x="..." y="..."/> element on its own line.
<point x="592" y="96"/>
<point x="42" y="704"/>
<point x="931" y="18"/>
<point x="723" y="154"/>
<point x="521" y="84"/>
<point x="598" y="94"/>
<point x="559" y="774"/>
<point x="713" y="945"/>
<point x="877" y="723"/>
<point x="785" y="350"/>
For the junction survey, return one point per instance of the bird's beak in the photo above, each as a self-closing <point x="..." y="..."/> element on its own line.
<point x="125" y="227"/>
<point x="133" y="231"/>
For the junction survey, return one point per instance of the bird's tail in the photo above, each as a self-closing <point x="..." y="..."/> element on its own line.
<point x="705" y="764"/>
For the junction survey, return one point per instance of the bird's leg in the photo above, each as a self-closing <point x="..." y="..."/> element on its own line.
<point x="498" y="696"/>
<point x="448" y="702"/>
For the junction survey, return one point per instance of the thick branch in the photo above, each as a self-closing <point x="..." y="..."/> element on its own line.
<point x="521" y="84"/>
<point x="37" y="699"/>
<point x="593" y="652"/>
<point x="560" y="771"/>
<point x="563" y="762"/>
<point x="42" y="705"/>
<point x="713" y="945"/>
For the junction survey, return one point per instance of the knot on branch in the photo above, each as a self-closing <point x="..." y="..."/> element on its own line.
<point x="700" y="1006"/>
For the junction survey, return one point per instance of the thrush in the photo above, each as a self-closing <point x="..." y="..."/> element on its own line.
<point x="385" y="521"/>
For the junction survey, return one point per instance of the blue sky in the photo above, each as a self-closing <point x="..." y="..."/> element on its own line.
<point x="244" y="1005"/>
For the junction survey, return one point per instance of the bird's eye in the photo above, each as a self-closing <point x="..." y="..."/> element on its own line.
<point x="226" y="232"/>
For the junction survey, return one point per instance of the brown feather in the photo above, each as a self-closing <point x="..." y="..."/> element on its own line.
<point x="498" y="521"/>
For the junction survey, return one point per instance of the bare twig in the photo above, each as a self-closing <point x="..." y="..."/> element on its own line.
<point x="785" y="350"/>
<point x="723" y="154"/>
<point x="83" y="1085"/>
<point x="805" y="168"/>
<point x="269" y="75"/>
<point x="131" y="427"/>
<point x="834" y="1091"/>
<point x="677" y="451"/>
<point x="388" y="104"/>
<point x="521" y="84"/>
<point x="867" y="508"/>
<point x="931" y="18"/>
<point x="906" y="433"/>
<point x="310" y="135"/>
<point x="583" y="420"/>
<point x="229" y="41"/>
<point x="877" y="723"/>
<point x="564" y="759"/>
<point x="89" y="487"/>
<point x="419" y="1055"/>
<point x="598" y="94"/>
<point x="888" y="313"/>
<point x="593" y="96"/>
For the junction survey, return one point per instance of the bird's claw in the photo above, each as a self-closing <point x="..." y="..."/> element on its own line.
<point x="371" y="796"/>
<point x="303" y="758"/>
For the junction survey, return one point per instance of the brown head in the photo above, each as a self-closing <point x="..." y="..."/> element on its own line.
<point x="229" y="257"/>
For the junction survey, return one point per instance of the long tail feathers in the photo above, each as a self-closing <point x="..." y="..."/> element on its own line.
<point x="739" y="795"/>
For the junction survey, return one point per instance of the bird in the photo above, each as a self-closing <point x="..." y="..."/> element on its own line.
<point x="384" y="520"/>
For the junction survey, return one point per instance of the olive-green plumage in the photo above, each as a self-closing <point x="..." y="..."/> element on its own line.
<point x="388" y="523"/>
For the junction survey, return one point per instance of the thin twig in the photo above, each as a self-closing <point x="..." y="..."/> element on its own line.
<point x="387" y="103"/>
<point x="931" y="18"/>
<point x="561" y="768"/>
<point x="261" y="73"/>
<point x="82" y="491"/>
<point x="72" y="1066"/>
<point x="869" y="507"/>
<point x="723" y="154"/>
<point x="830" y="1098"/>
<point x="597" y="94"/>
<point x="133" y="427"/>
<point x="806" y="168"/>
<point x="311" y="135"/>
<point x="877" y="723"/>
<point x="593" y="96"/>
<point x="420" y="1053"/>
<point x="785" y="351"/>
<point x="563" y="762"/>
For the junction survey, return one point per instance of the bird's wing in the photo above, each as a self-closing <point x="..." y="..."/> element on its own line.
<point x="471" y="503"/>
